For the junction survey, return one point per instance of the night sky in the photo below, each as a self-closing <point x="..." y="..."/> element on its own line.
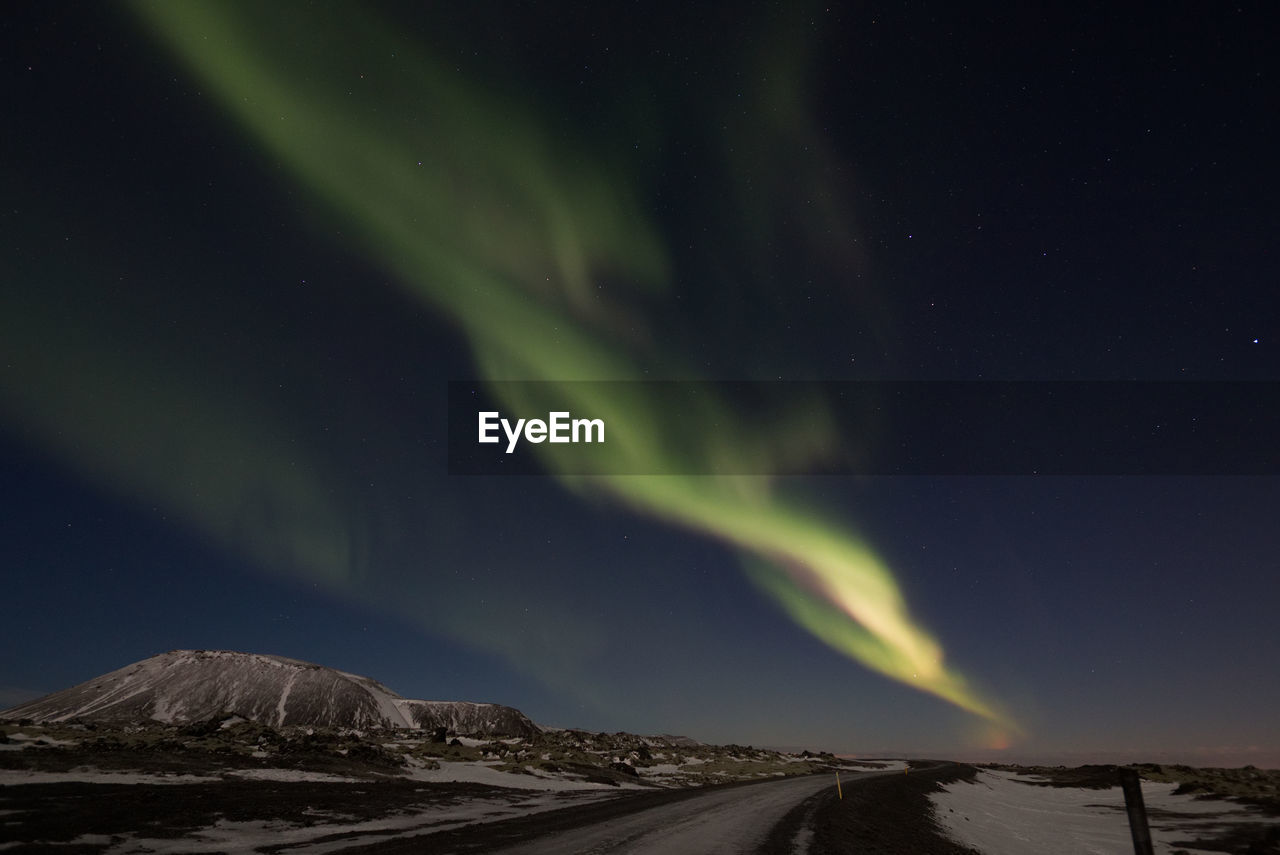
<point x="246" y="247"/>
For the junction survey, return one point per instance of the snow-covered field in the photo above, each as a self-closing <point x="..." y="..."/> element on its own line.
<point x="91" y="775"/>
<point x="876" y="765"/>
<point x="20" y="741"/>
<point x="486" y="773"/>
<point x="463" y="772"/>
<point x="1001" y="814"/>
<point x="255" y="786"/>
<point x="327" y="834"/>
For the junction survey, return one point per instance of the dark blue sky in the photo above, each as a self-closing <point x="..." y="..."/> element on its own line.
<point x="222" y="411"/>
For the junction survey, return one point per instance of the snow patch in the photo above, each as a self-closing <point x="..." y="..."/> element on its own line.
<point x="90" y="775"/>
<point x="284" y="697"/>
<point x="875" y="765"/>
<point x="19" y="741"/>
<point x="1001" y="814"/>
<point x="477" y="772"/>
<point x="292" y="775"/>
<point x="322" y="837"/>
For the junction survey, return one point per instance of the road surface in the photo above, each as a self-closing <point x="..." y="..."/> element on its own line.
<point x="732" y="820"/>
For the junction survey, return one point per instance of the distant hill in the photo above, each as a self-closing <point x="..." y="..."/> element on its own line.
<point x="196" y="685"/>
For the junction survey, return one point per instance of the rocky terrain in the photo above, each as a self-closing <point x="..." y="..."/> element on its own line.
<point x="216" y="712"/>
<point x="233" y="785"/>
<point x="218" y="751"/>
<point x="232" y="752"/>
<point x="233" y="746"/>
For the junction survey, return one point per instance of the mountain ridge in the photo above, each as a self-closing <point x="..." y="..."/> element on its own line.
<point x="195" y="685"/>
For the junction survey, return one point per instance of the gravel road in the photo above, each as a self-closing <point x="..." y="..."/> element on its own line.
<point x="734" y="820"/>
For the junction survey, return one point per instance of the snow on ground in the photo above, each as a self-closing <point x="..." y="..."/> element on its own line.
<point x="874" y="765"/>
<point x="659" y="770"/>
<point x="485" y="773"/>
<point x="93" y="840"/>
<point x="286" y="837"/>
<point x="1000" y="815"/>
<point x="291" y="775"/>
<point x="21" y="740"/>
<point x="669" y="774"/>
<point x="90" y="775"/>
<point x="449" y="772"/>
<point x="540" y="794"/>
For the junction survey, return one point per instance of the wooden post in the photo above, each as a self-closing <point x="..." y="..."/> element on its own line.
<point x="1137" y="811"/>
<point x="839" y="792"/>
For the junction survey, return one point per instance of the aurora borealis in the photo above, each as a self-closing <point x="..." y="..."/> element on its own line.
<point x="232" y="318"/>
<point x="512" y="272"/>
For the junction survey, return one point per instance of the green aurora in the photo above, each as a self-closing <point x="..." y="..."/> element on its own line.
<point x="490" y="220"/>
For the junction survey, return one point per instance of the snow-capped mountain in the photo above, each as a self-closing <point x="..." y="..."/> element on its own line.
<point x="195" y="685"/>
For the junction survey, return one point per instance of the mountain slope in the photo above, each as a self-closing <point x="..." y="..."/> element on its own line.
<point x="195" y="685"/>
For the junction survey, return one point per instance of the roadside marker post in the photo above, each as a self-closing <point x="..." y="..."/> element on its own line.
<point x="1132" y="786"/>
<point x="839" y="792"/>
